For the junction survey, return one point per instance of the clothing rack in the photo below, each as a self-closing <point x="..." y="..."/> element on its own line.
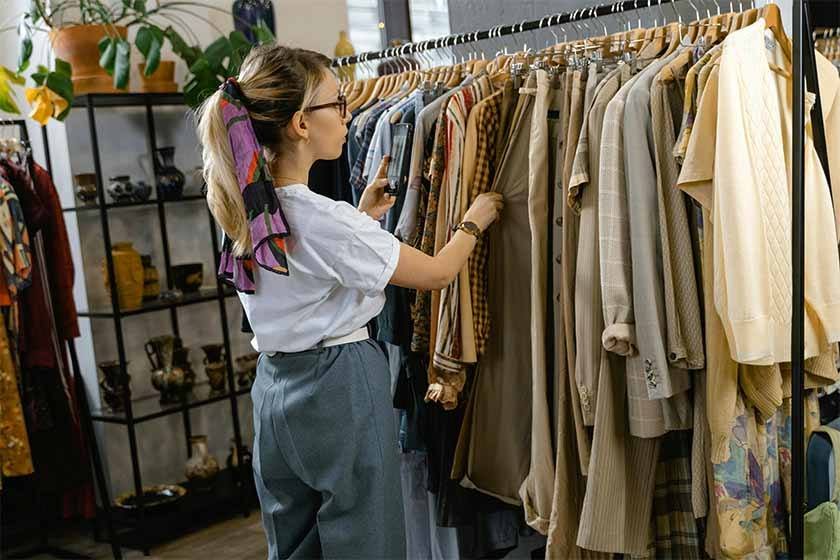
<point x="804" y="65"/>
<point x="44" y="547"/>
<point x="593" y="12"/>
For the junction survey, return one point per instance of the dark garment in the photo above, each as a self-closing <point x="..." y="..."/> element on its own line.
<point x="331" y="178"/>
<point x="411" y="388"/>
<point x="50" y="295"/>
<point x="676" y="530"/>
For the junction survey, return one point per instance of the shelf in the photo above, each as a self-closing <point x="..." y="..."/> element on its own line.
<point x="147" y="203"/>
<point x="149" y="408"/>
<point x="202" y="296"/>
<point x="128" y="99"/>
<point x="195" y="510"/>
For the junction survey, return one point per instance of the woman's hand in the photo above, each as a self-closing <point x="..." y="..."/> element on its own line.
<point x="485" y="210"/>
<point x="375" y="202"/>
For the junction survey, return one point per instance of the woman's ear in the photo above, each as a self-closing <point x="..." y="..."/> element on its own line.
<point x="299" y="127"/>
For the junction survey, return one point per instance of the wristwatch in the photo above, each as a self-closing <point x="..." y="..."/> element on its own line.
<point x="469" y="227"/>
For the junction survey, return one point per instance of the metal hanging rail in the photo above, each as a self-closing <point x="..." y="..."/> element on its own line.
<point x="593" y="12"/>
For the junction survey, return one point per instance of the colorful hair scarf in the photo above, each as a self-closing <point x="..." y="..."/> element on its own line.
<point x="267" y="223"/>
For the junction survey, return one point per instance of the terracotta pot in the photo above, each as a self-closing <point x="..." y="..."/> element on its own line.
<point x="162" y="80"/>
<point x="79" y="45"/>
<point x="129" y="270"/>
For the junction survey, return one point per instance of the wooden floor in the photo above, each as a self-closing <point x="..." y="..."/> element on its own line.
<point x="238" y="538"/>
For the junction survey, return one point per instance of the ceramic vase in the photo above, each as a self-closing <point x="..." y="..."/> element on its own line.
<point x="201" y="468"/>
<point x="214" y="367"/>
<point x="345" y="48"/>
<point x="246" y="369"/>
<point x="85" y="187"/>
<point x="167" y="377"/>
<point x="239" y="457"/>
<point x="169" y="179"/>
<point x="151" y="279"/>
<point x="181" y="359"/>
<point x="128" y="268"/>
<point x="115" y="385"/>
<point x="246" y="14"/>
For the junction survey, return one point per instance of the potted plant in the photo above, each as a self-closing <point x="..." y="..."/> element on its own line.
<point x="92" y="52"/>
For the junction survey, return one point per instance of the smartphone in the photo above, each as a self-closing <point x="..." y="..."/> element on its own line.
<point x="400" y="155"/>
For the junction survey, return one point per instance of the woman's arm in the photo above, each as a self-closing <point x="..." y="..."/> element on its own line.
<point x="420" y="271"/>
<point x="416" y="269"/>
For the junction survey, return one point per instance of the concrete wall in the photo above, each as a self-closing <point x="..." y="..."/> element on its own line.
<point x="472" y="15"/>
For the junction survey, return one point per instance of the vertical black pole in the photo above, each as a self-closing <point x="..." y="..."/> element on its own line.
<point x="167" y="256"/>
<point x="115" y="306"/>
<point x="46" y="141"/>
<point x="798" y="260"/>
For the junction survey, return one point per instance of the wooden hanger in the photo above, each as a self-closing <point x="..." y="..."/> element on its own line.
<point x="365" y="94"/>
<point x="353" y="90"/>
<point x="655" y="43"/>
<point x="675" y="30"/>
<point x="749" y="17"/>
<point x="773" y="18"/>
<point x="713" y="33"/>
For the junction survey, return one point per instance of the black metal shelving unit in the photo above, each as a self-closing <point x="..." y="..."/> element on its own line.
<point x="141" y="528"/>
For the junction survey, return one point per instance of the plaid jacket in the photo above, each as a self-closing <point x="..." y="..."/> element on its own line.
<point x="487" y="115"/>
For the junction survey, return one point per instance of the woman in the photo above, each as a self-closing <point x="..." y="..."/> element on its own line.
<point x="311" y="273"/>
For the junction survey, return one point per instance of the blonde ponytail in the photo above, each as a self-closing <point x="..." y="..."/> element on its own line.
<point x="223" y="193"/>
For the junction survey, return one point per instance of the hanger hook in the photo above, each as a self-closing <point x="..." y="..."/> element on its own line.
<point x="696" y="11"/>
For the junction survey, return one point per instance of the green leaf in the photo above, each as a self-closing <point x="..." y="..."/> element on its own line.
<point x="143" y="40"/>
<point x="62" y="67"/>
<point x="140" y="6"/>
<point x="149" y="41"/>
<point x="60" y="84"/>
<point x="41" y="75"/>
<point x="24" y="53"/>
<point x="216" y="53"/>
<point x="199" y="89"/>
<point x="180" y="47"/>
<point x="8" y="79"/>
<point x="239" y="42"/>
<point x="262" y="33"/>
<point x="108" y="54"/>
<point x="122" y="64"/>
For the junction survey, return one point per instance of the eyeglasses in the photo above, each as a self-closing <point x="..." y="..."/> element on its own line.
<point x="341" y="104"/>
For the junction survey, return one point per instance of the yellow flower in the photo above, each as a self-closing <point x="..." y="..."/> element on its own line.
<point x="45" y="103"/>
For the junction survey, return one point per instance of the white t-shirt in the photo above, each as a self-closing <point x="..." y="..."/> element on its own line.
<point x="340" y="261"/>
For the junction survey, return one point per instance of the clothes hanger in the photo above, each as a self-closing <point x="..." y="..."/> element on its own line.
<point x="675" y="30"/>
<point x="656" y="43"/>
<point x="366" y="91"/>
<point x="714" y="29"/>
<point x="750" y="16"/>
<point x="773" y="20"/>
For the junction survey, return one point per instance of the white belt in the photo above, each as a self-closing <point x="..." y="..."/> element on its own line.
<point x="356" y="336"/>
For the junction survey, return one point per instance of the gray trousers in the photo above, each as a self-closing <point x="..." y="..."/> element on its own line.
<point x="325" y="454"/>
